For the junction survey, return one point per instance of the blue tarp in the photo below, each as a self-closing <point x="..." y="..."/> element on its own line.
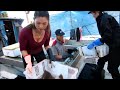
<point x="68" y="20"/>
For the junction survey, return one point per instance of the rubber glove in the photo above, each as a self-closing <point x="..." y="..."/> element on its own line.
<point x="94" y="43"/>
<point x="29" y="63"/>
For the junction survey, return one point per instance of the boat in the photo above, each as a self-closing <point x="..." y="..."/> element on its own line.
<point x="12" y="67"/>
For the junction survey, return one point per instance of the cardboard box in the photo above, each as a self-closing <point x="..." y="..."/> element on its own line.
<point x="12" y="50"/>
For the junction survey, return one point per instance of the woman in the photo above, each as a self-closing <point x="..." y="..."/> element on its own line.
<point x="32" y="37"/>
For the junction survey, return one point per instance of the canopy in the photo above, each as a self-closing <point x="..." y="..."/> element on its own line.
<point x="68" y="20"/>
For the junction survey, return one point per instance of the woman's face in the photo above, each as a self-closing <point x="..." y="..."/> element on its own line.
<point x="41" y="23"/>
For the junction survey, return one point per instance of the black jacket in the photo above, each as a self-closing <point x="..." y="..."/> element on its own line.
<point x="109" y="30"/>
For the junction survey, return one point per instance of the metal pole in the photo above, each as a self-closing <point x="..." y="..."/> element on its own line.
<point x="71" y="19"/>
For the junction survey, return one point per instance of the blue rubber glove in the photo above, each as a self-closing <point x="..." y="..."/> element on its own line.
<point x="95" y="43"/>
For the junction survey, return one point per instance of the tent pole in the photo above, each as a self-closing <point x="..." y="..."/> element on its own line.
<point x="71" y="19"/>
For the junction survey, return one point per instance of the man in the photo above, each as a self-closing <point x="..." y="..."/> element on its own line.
<point x="109" y="30"/>
<point x="59" y="50"/>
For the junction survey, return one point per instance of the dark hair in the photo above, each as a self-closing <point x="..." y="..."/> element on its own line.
<point x="40" y="14"/>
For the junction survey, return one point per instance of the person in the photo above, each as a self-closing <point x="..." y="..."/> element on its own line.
<point x="32" y="37"/>
<point x="60" y="52"/>
<point x="109" y="30"/>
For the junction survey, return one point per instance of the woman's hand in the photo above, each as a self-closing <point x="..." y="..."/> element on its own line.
<point x="29" y="67"/>
<point x="29" y="63"/>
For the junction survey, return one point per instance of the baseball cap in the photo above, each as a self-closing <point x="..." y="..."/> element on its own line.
<point x="59" y="32"/>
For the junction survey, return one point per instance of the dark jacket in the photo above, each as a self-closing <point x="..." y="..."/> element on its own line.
<point x="109" y="30"/>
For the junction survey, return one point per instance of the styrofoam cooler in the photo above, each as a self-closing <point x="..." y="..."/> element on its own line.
<point x="55" y="69"/>
<point x="12" y="50"/>
<point x="101" y="51"/>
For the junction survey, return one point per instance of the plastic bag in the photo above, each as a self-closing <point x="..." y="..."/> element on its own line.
<point x="88" y="52"/>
